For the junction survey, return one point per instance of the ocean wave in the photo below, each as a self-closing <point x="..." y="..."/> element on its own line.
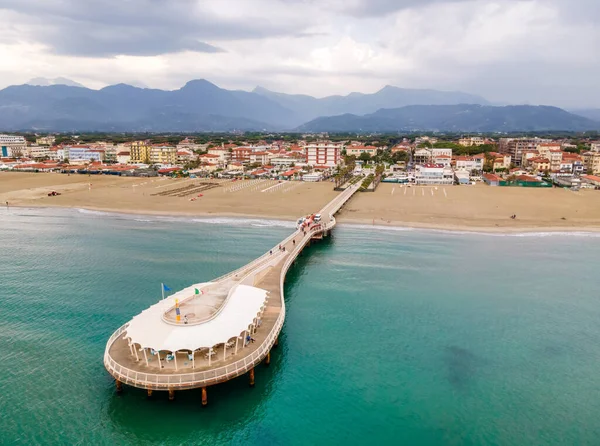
<point x="90" y="212"/>
<point x="498" y="233"/>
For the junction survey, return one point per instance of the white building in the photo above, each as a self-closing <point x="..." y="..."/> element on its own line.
<point x="312" y="177"/>
<point x="12" y="146"/>
<point x="223" y="154"/>
<point x="282" y="161"/>
<point x="38" y="152"/>
<point x="259" y="158"/>
<point x="324" y="153"/>
<point x="85" y="154"/>
<point x="123" y="157"/>
<point x="430" y="174"/>
<point x="469" y="163"/>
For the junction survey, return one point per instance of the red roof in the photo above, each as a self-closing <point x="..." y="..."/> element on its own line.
<point x="491" y="177"/>
<point x="169" y="169"/>
<point x="592" y="177"/>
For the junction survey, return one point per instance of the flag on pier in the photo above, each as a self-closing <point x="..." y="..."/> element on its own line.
<point x="164" y="288"/>
<point x="197" y="291"/>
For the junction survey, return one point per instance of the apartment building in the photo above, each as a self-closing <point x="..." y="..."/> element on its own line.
<point x="433" y="174"/>
<point x="515" y="147"/>
<point x="45" y="140"/>
<point x="428" y="156"/>
<point x="84" y="153"/>
<point x="591" y="161"/>
<point x="358" y="150"/>
<point x="259" y="158"/>
<point x="38" y="152"/>
<point x="469" y="163"/>
<point x="472" y="141"/>
<point x="324" y="153"/>
<point x="12" y="146"/>
<point x="162" y="154"/>
<point x="140" y="152"/>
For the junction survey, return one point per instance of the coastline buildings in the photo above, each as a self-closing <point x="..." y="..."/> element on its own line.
<point x="324" y="153"/>
<point x="12" y="146"/>
<point x="515" y="147"/>
<point x="433" y="174"/>
<point x="45" y="140"/>
<point x="140" y="152"/>
<point x="472" y="141"/>
<point x="591" y="161"/>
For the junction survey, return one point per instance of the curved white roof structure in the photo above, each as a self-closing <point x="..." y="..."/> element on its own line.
<point x="150" y="330"/>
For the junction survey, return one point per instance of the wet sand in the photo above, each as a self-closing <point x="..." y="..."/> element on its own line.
<point x="480" y="207"/>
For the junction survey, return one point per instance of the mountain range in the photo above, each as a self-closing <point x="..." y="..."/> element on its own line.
<point x="455" y="118"/>
<point x="202" y="106"/>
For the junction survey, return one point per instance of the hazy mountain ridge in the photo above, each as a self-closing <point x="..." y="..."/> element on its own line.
<point x="202" y="106"/>
<point x="460" y="118"/>
<point x="308" y="107"/>
<point x="199" y="104"/>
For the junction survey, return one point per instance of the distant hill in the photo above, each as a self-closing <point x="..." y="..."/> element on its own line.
<point x="308" y="107"/>
<point x="590" y="113"/>
<point x="459" y="118"/>
<point x="198" y="106"/>
<point x="45" y="82"/>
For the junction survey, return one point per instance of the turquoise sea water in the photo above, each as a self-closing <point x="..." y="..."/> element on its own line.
<point x="391" y="337"/>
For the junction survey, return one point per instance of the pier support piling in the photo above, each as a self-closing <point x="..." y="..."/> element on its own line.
<point x="149" y="393"/>
<point x="119" y="386"/>
<point x="171" y="395"/>
<point x="268" y="359"/>
<point x="276" y="342"/>
<point x="251" y="377"/>
<point x="204" y="397"/>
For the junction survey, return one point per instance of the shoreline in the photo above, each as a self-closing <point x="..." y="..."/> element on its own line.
<point x="342" y="221"/>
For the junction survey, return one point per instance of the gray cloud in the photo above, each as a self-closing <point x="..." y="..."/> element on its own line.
<point x="538" y="51"/>
<point x="100" y="28"/>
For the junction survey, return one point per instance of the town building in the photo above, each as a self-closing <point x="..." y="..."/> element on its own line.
<point x="259" y="158"/>
<point x="540" y="164"/>
<point x="426" y="155"/>
<point x="324" y="153"/>
<point x="515" y="147"/>
<point x="12" y="146"/>
<point x="358" y="150"/>
<point x="45" y="140"/>
<point x="162" y="154"/>
<point x="84" y="153"/>
<point x="472" y="141"/>
<point x="140" y="152"/>
<point x="469" y="163"/>
<point x="591" y="161"/>
<point x="123" y="157"/>
<point x="241" y="154"/>
<point x="433" y="174"/>
<point x="38" y="152"/>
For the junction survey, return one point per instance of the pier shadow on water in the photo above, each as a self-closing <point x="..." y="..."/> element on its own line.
<point x="231" y="407"/>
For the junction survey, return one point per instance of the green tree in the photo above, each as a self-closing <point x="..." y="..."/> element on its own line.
<point x="365" y="157"/>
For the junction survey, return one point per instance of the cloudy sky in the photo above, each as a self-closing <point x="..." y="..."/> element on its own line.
<point x="509" y="51"/>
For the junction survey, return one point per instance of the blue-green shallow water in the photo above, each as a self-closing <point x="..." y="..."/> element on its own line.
<point x="391" y="337"/>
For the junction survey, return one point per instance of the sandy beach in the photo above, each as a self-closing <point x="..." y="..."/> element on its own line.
<point x="480" y="208"/>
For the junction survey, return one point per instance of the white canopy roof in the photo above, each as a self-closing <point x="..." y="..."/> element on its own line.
<point x="149" y="330"/>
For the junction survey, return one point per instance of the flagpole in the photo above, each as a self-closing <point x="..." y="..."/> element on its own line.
<point x="162" y="289"/>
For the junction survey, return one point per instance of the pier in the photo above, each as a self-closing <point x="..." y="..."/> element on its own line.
<point x="215" y="331"/>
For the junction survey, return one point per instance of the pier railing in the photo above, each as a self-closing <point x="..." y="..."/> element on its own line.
<point x="159" y="381"/>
